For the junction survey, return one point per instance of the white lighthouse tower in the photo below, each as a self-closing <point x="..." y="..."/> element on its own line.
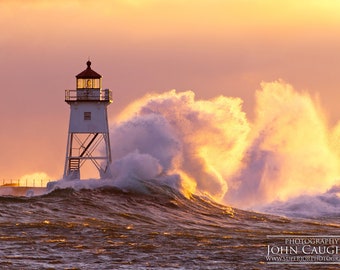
<point x="88" y="127"/>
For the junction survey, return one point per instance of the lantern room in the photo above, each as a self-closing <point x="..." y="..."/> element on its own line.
<point x="89" y="79"/>
<point x="89" y="88"/>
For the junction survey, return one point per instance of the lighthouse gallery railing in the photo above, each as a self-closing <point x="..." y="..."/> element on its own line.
<point x="88" y="95"/>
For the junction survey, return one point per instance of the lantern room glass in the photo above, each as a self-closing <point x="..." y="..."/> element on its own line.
<point x="89" y="83"/>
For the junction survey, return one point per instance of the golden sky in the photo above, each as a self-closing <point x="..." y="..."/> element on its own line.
<point x="213" y="47"/>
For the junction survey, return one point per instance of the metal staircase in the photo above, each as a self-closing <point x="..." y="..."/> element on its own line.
<point x="74" y="168"/>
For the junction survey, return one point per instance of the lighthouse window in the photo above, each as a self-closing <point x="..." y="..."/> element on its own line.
<point x="87" y="115"/>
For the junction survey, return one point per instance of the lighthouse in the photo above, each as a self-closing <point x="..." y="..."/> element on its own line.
<point x="88" y="126"/>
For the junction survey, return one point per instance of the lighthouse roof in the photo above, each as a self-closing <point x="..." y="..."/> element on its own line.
<point x="88" y="73"/>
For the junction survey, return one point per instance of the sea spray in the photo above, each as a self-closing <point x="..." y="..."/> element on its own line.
<point x="202" y="141"/>
<point x="216" y="150"/>
<point x="285" y="158"/>
<point x="325" y="205"/>
<point x="290" y="153"/>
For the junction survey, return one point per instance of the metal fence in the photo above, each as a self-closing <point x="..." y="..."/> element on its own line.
<point x="24" y="182"/>
<point x="89" y="95"/>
